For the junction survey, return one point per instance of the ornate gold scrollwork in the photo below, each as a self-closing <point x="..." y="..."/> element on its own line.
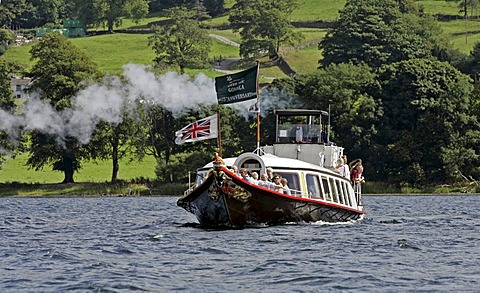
<point x="224" y="184"/>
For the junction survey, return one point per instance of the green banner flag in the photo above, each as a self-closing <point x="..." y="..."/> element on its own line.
<point x="237" y="87"/>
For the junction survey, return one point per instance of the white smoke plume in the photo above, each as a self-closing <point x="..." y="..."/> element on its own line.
<point x="107" y="100"/>
<point x="10" y="123"/>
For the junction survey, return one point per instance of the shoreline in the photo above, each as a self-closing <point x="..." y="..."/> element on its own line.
<point x="173" y="195"/>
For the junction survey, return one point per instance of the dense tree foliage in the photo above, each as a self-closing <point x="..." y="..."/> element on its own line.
<point x="264" y="25"/>
<point x="59" y="72"/>
<point x="380" y="32"/>
<point x="424" y="128"/>
<point x="427" y="132"/>
<point x="344" y="89"/>
<point x="214" y="7"/>
<point x="182" y="43"/>
<point x="30" y="13"/>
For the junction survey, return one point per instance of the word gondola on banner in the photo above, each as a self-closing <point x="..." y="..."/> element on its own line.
<point x="231" y="88"/>
<point x="239" y="87"/>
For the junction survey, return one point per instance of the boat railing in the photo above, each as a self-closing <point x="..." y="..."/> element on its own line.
<point x="295" y="192"/>
<point x="357" y="187"/>
<point x="190" y="189"/>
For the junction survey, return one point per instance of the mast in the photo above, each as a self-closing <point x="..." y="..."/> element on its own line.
<point x="258" y="109"/>
<point x="219" y="135"/>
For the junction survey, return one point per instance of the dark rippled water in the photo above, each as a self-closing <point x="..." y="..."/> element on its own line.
<point x="406" y="243"/>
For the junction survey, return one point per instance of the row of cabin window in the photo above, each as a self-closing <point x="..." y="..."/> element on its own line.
<point x="320" y="187"/>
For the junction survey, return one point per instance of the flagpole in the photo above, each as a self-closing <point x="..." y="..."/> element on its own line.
<point x="219" y="136"/>
<point x="258" y="109"/>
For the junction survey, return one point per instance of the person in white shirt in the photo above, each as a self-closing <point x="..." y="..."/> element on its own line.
<point x="245" y="176"/>
<point x="286" y="189"/>
<point x="342" y="168"/>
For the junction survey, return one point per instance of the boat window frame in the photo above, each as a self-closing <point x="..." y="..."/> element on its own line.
<point x="295" y="189"/>
<point x="250" y="161"/>
<point x="341" y="195"/>
<point x="348" y="200"/>
<point x="333" y="188"/>
<point x="316" y="183"/>
<point x="329" y="194"/>
<point x="324" y="180"/>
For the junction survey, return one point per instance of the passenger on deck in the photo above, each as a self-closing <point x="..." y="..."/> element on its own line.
<point x="342" y="168"/>
<point x="254" y="176"/>
<point x="356" y="171"/>
<point x="299" y="131"/>
<point x="234" y="169"/>
<point x="324" y="136"/>
<point x="338" y="166"/>
<point x="265" y="183"/>
<point x="347" y="168"/>
<point x="270" y="174"/>
<point x="286" y="189"/>
<point x="278" y="183"/>
<point x="245" y="176"/>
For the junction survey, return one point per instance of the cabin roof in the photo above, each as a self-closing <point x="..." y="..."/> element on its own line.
<point x="274" y="162"/>
<point x="279" y="162"/>
<point x="300" y="112"/>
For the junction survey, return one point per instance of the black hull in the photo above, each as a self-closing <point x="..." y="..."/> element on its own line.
<point x="227" y="201"/>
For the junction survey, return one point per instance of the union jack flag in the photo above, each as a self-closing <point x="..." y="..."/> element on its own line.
<point x="202" y="129"/>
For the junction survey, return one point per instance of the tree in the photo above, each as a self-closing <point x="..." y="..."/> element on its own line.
<point x="12" y="13"/>
<point x="7" y="105"/>
<point x="214" y="7"/>
<point x="264" y="25"/>
<point x="381" y="32"/>
<point x="136" y="10"/>
<point x="466" y="6"/>
<point x="156" y="137"/>
<point x="59" y="72"/>
<point x="182" y="43"/>
<point x="111" y="11"/>
<point x="107" y="13"/>
<point x="84" y="11"/>
<point x="6" y="39"/>
<point x="429" y="132"/>
<point x="114" y="142"/>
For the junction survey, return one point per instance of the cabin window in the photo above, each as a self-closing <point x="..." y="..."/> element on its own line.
<point x="325" y="188"/>
<point x="347" y="194"/>
<point x="293" y="182"/>
<point x="333" y="189"/>
<point x="304" y="128"/>
<point x="313" y="186"/>
<point x="341" y="194"/>
<point x="252" y="166"/>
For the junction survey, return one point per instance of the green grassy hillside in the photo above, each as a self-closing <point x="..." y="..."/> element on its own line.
<point x="14" y="170"/>
<point x="111" y="52"/>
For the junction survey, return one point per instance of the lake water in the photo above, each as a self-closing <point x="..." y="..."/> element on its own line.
<point x="405" y="243"/>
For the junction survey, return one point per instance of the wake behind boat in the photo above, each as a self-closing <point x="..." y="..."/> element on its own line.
<point x="303" y="155"/>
